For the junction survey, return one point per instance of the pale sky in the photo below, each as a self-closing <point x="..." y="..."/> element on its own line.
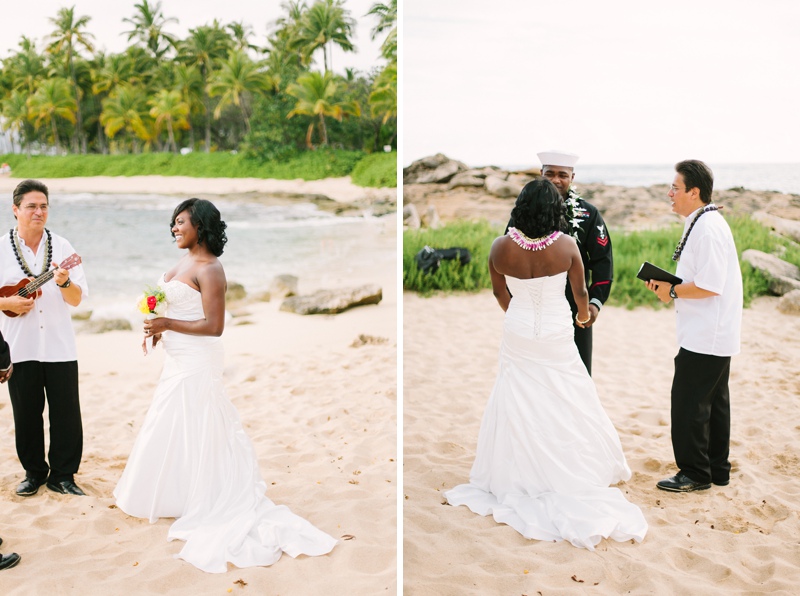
<point x="32" y="19"/>
<point x="617" y="82"/>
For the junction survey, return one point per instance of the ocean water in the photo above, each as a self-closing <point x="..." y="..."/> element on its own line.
<point x="125" y="243"/>
<point x="779" y="177"/>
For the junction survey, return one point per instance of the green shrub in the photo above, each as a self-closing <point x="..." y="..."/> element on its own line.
<point x="307" y="165"/>
<point x="631" y="249"/>
<point x="378" y="170"/>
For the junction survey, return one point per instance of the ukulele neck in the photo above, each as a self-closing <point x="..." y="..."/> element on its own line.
<point x="39" y="281"/>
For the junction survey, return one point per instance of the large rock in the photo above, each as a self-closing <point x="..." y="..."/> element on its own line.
<point x="105" y="325"/>
<point x="431" y="218"/>
<point x="501" y="187"/>
<point x="432" y="170"/>
<point x="783" y="277"/>
<point x="283" y="285"/>
<point x="466" y="179"/>
<point x="790" y="303"/>
<point x="785" y="227"/>
<point x="234" y="292"/>
<point x="441" y="174"/>
<point x="329" y="302"/>
<point x="411" y="218"/>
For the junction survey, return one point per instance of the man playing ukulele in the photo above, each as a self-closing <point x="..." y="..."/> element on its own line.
<point x="38" y="328"/>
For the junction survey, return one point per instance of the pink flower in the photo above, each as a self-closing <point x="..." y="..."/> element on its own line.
<point x="151" y="303"/>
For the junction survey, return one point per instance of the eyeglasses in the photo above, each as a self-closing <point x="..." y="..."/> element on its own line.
<point x="674" y="188"/>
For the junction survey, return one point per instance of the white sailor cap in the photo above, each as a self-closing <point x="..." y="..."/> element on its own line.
<point x="558" y="158"/>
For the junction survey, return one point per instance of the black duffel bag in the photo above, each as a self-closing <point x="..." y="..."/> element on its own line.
<point x="429" y="259"/>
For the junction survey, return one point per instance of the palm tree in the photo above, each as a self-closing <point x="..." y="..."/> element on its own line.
<point x="15" y="115"/>
<point x="203" y="48"/>
<point x="241" y="35"/>
<point x="125" y="109"/>
<point x="387" y="20"/>
<point x="383" y="99"/>
<point x="170" y="108"/>
<point x="324" y="24"/>
<point x="387" y="16"/>
<point x="190" y="86"/>
<point x="65" y="40"/>
<point x="148" y="27"/>
<point x="315" y="93"/>
<point x="111" y="71"/>
<point x="26" y="68"/>
<point x="235" y="78"/>
<point x="51" y="101"/>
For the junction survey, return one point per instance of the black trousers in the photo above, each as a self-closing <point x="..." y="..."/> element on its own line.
<point x="28" y="387"/>
<point x="701" y="416"/>
<point x="583" y="339"/>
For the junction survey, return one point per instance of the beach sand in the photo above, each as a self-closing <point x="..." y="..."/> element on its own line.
<point x="320" y="411"/>
<point x="743" y="538"/>
<point x="337" y="189"/>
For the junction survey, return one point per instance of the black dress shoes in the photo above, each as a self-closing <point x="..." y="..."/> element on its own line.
<point x="65" y="487"/>
<point x="680" y="483"/>
<point x="9" y="560"/>
<point x="29" y="487"/>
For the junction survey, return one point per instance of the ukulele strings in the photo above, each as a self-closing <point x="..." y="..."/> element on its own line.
<point x="36" y="283"/>
<point x="45" y="277"/>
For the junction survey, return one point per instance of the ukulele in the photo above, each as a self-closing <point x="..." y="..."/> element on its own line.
<point x="30" y="287"/>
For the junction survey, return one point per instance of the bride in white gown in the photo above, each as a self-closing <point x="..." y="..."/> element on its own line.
<point x="192" y="460"/>
<point x="547" y="451"/>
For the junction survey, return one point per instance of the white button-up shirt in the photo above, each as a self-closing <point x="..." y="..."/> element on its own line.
<point x="712" y="325"/>
<point x="45" y="333"/>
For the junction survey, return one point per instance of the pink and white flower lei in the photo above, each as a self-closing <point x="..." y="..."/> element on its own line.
<point x="532" y="243"/>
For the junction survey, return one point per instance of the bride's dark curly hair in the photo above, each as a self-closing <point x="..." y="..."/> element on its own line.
<point x="539" y="210"/>
<point x="206" y="218"/>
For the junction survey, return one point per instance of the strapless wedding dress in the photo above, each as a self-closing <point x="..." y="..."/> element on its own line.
<point x="193" y="461"/>
<point x="547" y="452"/>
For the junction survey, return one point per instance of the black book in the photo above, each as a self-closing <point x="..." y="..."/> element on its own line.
<point x="648" y="272"/>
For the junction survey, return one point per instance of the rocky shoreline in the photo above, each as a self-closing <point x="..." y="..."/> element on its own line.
<point x="438" y="190"/>
<point x="444" y="190"/>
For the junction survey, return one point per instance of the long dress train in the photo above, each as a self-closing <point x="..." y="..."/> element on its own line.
<point x="547" y="452"/>
<point x="193" y="461"/>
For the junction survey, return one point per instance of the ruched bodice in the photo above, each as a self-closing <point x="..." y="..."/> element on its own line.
<point x="538" y="307"/>
<point x="186" y="304"/>
<point x="183" y="301"/>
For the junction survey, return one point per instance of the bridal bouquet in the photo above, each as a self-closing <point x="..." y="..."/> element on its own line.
<point x="154" y="302"/>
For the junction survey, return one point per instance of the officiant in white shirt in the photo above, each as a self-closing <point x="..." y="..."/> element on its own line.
<point x="43" y="350"/>
<point x="708" y="309"/>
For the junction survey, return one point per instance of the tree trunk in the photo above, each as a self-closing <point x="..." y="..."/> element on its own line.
<point x="323" y="129"/>
<point x="55" y="134"/>
<point x="244" y="116"/>
<point x="171" y="136"/>
<point x="206" y="102"/>
<point x="78" y="113"/>
<point x="309" y="132"/>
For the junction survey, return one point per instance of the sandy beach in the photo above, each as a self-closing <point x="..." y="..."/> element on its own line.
<point x="742" y="538"/>
<point x="318" y="403"/>
<point x="337" y="189"/>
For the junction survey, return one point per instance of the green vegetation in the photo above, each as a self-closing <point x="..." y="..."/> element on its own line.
<point x="373" y="170"/>
<point x="376" y="170"/>
<point x="214" y="90"/>
<point x="475" y="237"/>
<point x="630" y="251"/>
